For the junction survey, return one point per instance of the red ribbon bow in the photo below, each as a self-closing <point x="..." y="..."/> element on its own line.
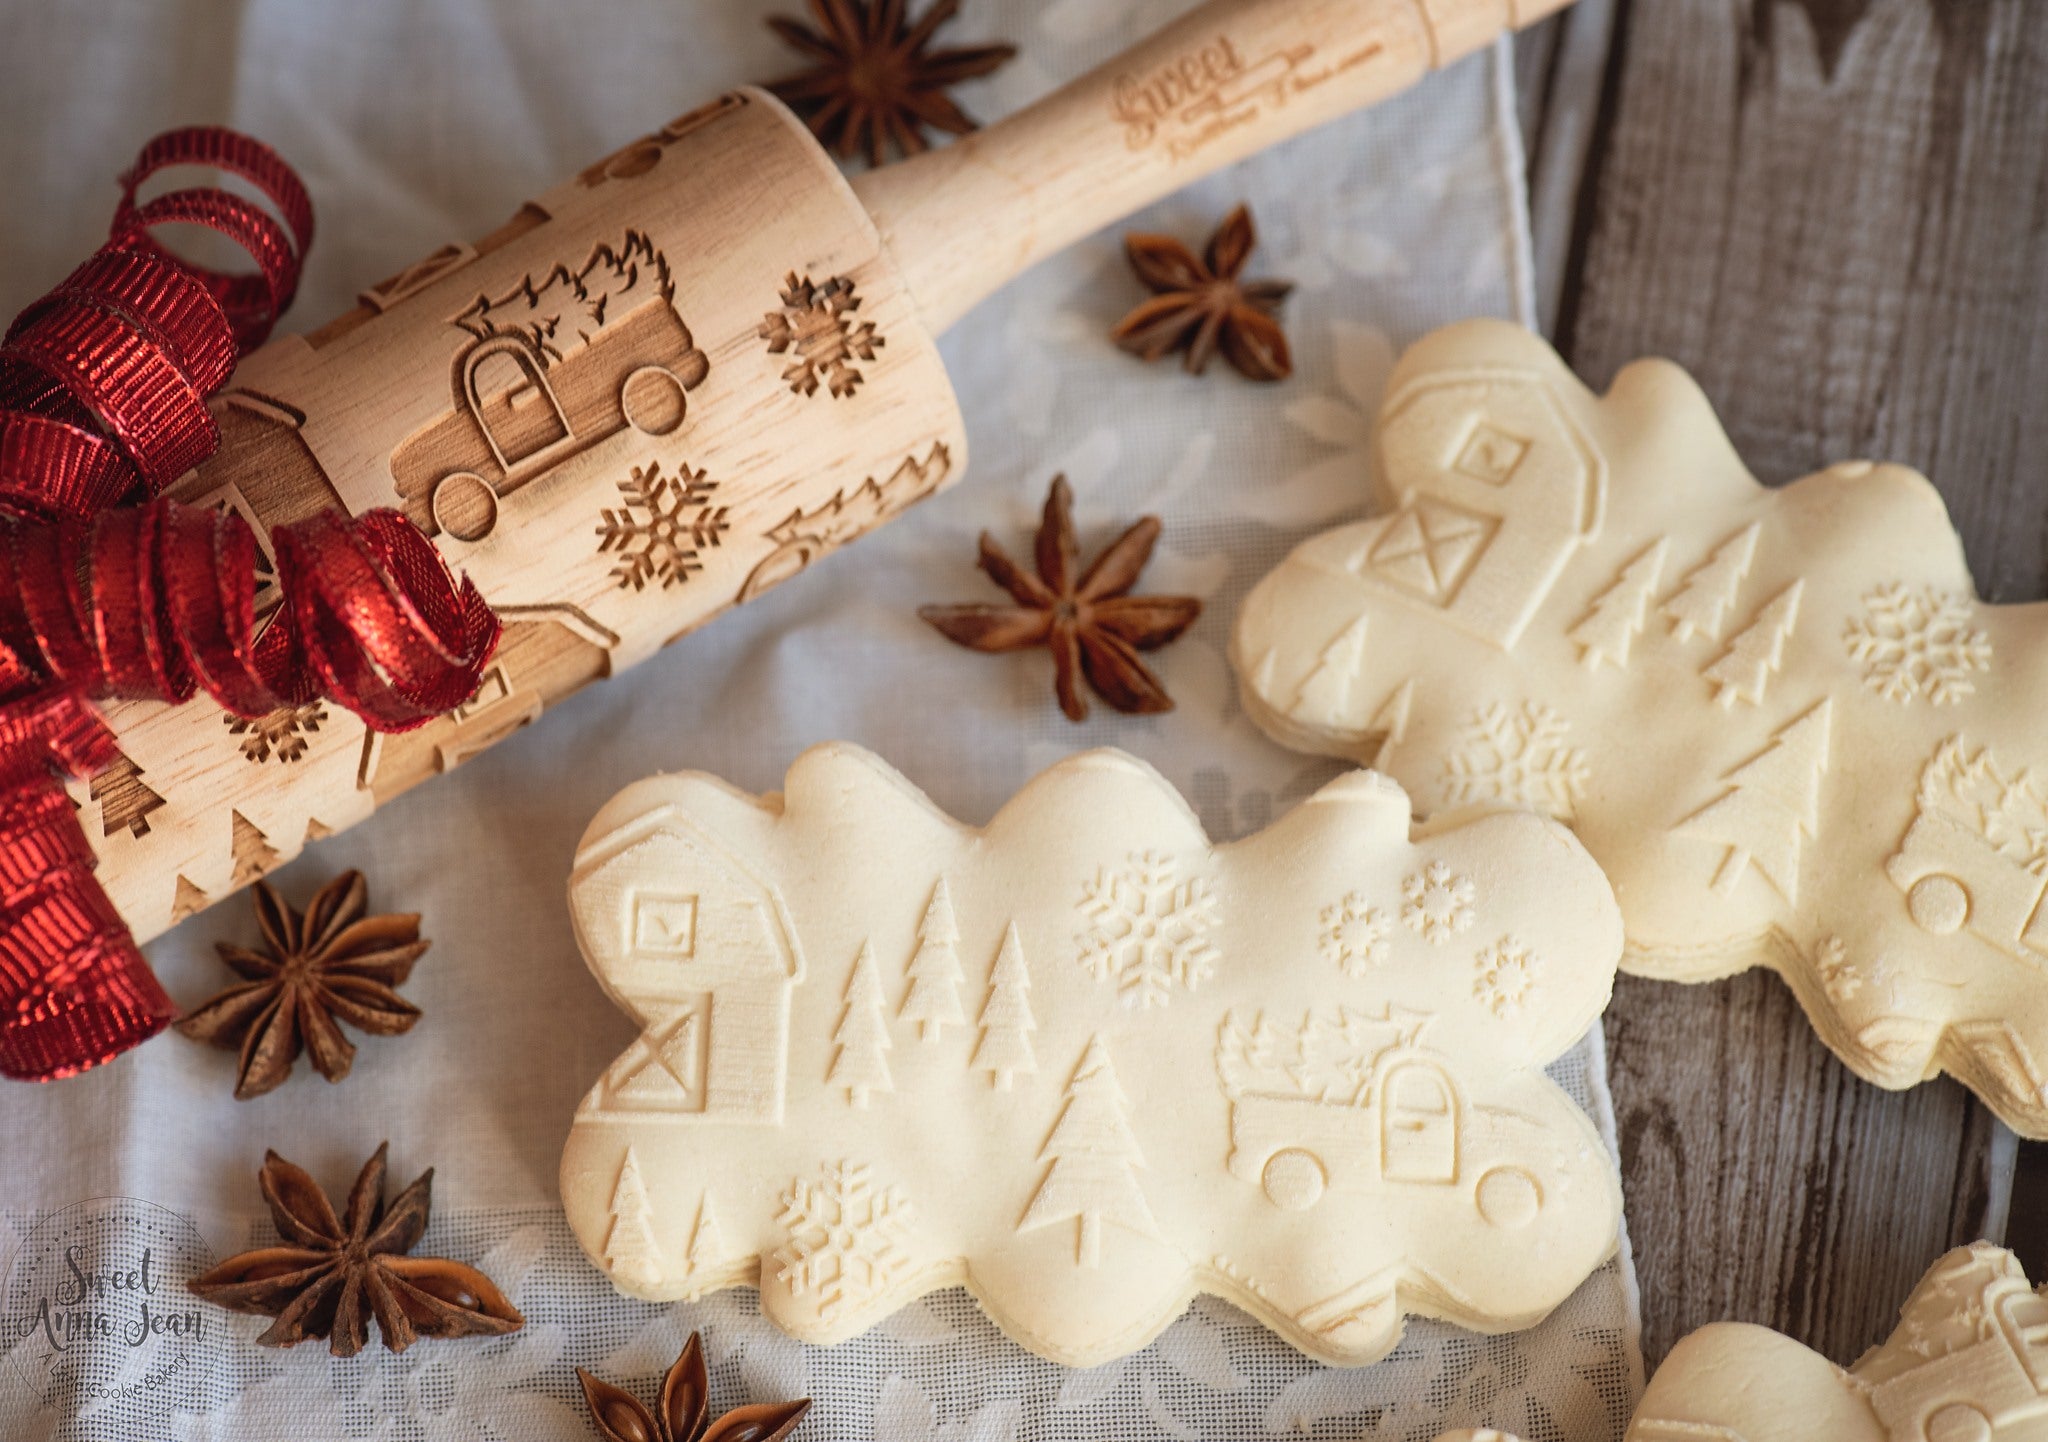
<point x="103" y="389"/>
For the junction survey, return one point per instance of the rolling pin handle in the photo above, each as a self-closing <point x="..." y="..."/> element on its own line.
<point x="1223" y="82"/>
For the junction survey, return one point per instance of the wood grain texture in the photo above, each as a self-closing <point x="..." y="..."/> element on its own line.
<point x="1223" y="82"/>
<point x="1559" y="65"/>
<point x="667" y="384"/>
<point x="1834" y="214"/>
<point x="611" y="472"/>
<point x="1766" y="1183"/>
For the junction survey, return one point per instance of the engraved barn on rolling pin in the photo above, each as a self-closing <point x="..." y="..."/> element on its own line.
<point x="569" y="406"/>
<point x="1781" y="719"/>
<point x="1085" y="1061"/>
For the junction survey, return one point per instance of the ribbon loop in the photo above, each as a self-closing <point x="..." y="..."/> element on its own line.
<point x="104" y="384"/>
<point x="252" y="302"/>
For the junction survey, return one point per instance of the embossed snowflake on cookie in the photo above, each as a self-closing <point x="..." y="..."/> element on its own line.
<point x="1968" y="1362"/>
<point x="1087" y="1062"/>
<point x="1780" y="719"/>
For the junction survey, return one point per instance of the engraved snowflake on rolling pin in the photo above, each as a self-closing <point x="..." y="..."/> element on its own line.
<point x="664" y="528"/>
<point x="817" y="323"/>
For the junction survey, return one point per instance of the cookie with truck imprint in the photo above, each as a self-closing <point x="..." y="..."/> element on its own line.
<point x="1781" y="719"/>
<point x="1968" y="1362"/>
<point x="1087" y="1062"/>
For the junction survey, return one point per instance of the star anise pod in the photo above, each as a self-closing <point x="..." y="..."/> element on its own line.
<point x="873" y="81"/>
<point x="684" y="1409"/>
<point x="1092" y="624"/>
<point x="1200" y="303"/>
<point x="331" y="1275"/>
<point x="331" y="965"/>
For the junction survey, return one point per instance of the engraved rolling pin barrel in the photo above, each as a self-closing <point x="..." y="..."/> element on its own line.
<point x="673" y="382"/>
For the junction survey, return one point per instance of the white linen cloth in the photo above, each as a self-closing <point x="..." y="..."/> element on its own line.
<point x="415" y="123"/>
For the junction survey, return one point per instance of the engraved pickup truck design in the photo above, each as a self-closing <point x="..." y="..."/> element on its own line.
<point x="553" y="367"/>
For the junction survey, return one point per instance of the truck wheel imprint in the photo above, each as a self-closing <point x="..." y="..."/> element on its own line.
<point x="652" y="398"/>
<point x="1939" y="903"/>
<point x="1509" y="1198"/>
<point x="464" y="505"/>
<point x="1294" y="1179"/>
<point x="1959" y="1422"/>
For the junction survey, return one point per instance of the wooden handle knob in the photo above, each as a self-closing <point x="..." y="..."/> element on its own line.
<point x="1229" y="79"/>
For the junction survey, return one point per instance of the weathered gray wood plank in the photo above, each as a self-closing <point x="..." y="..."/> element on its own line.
<point x="1835" y="214"/>
<point x="1559" y="70"/>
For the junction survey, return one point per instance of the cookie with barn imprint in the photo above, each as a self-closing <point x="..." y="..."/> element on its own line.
<point x="1780" y="719"/>
<point x="1088" y="1062"/>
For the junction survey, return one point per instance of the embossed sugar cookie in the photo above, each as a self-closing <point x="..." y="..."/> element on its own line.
<point x="1780" y="719"/>
<point x="1968" y="1362"/>
<point x="1087" y="1062"/>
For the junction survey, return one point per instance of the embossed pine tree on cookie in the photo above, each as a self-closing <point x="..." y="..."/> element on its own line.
<point x="861" y="1062"/>
<point x="1004" y="1050"/>
<point x="1092" y="1180"/>
<point x="933" y="1000"/>
<point x="631" y="1249"/>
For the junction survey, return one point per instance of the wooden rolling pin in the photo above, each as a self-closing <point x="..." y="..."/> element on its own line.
<point x="675" y="381"/>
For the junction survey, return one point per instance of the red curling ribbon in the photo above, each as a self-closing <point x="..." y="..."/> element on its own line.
<point x="74" y="990"/>
<point x="252" y="303"/>
<point x="155" y="602"/>
<point x="103" y="388"/>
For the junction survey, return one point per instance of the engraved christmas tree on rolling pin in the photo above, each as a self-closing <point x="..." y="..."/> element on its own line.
<point x="676" y="381"/>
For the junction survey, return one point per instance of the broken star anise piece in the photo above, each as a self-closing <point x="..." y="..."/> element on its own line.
<point x="873" y="81"/>
<point x="331" y="965"/>
<point x="1200" y="304"/>
<point x="684" y="1409"/>
<point x="1088" y="619"/>
<point x="331" y="1275"/>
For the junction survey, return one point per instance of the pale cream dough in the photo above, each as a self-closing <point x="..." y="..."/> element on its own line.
<point x="1780" y="719"/>
<point x="1088" y="1063"/>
